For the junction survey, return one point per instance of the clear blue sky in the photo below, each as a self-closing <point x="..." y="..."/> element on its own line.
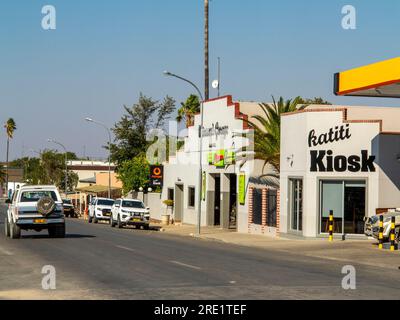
<point x="105" y="52"/>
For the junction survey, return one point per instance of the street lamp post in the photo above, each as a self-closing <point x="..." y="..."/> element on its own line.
<point x="109" y="151"/>
<point x="66" y="162"/>
<point x="169" y="74"/>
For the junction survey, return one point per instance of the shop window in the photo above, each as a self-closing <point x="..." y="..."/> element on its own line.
<point x="272" y="204"/>
<point x="257" y="206"/>
<point x="192" y="197"/>
<point x="296" y="205"/>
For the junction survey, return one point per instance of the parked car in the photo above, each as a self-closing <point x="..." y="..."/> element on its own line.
<point x="35" y="208"/>
<point x="372" y="226"/>
<point x="69" y="209"/>
<point x="129" y="212"/>
<point x="100" y="210"/>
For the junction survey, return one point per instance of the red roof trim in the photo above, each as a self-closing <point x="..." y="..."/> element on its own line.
<point x="238" y="114"/>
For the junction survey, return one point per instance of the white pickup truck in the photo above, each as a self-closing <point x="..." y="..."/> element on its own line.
<point x="372" y="226"/>
<point x="35" y="208"/>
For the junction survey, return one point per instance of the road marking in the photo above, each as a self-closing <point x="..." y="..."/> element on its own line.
<point x="185" y="265"/>
<point x="125" y="248"/>
<point x="5" y="252"/>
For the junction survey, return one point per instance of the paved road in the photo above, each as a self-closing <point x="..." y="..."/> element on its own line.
<point x="97" y="262"/>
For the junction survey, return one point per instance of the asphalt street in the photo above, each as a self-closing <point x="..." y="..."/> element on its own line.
<point x="98" y="262"/>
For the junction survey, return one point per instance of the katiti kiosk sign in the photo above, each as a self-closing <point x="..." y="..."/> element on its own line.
<point x="345" y="159"/>
<point x="327" y="161"/>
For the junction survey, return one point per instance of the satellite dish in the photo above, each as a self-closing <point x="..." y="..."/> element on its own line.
<point x="215" y="84"/>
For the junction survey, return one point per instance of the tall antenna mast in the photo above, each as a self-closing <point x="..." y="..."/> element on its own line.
<point x="219" y="76"/>
<point x="206" y="51"/>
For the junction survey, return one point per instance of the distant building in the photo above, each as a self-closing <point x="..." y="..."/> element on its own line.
<point x="93" y="182"/>
<point x="15" y="179"/>
<point x="88" y="171"/>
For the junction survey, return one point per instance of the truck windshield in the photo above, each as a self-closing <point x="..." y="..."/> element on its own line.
<point x="133" y="204"/>
<point x="34" y="196"/>
<point x="105" y="202"/>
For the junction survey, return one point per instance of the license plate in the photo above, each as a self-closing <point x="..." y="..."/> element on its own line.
<point x="67" y="209"/>
<point x="136" y="220"/>
<point x="107" y="214"/>
<point x="40" y="221"/>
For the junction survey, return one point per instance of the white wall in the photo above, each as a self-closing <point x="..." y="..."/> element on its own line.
<point x="296" y="162"/>
<point x="184" y="168"/>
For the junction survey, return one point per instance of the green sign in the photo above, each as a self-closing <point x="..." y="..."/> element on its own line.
<point x="220" y="159"/>
<point x="230" y="158"/>
<point x="242" y="189"/>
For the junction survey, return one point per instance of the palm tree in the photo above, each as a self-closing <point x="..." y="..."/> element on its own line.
<point x="188" y="110"/>
<point x="206" y="50"/>
<point x="10" y="127"/>
<point x="267" y="132"/>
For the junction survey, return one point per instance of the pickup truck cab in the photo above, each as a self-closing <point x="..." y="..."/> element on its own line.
<point x="129" y="212"/>
<point x="100" y="210"/>
<point x="35" y="208"/>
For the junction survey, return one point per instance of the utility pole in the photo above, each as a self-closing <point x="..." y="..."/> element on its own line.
<point x="206" y="51"/>
<point x="109" y="151"/>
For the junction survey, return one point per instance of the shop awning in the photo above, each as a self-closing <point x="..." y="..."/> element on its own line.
<point x="380" y="79"/>
<point x="96" y="189"/>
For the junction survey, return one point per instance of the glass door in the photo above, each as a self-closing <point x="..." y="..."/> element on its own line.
<point x="296" y="205"/>
<point x="354" y="207"/>
<point x="332" y="199"/>
<point x="347" y="199"/>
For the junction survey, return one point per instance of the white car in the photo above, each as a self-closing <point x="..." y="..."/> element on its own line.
<point x="35" y="208"/>
<point x="129" y="212"/>
<point x="100" y="210"/>
<point x="372" y="226"/>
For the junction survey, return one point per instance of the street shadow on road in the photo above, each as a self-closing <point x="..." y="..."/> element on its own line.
<point x="67" y="236"/>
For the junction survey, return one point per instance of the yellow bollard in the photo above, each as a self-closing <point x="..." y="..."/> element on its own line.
<point x="381" y="232"/>
<point x="331" y="226"/>
<point x="392" y="234"/>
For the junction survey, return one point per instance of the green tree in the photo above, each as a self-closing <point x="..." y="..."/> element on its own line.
<point x="267" y="131"/>
<point x="130" y="132"/>
<point x="10" y="127"/>
<point x="72" y="181"/>
<point x="188" y="110"/>
<point x="318" y="100"/>
<point x="48" y="169"/>
<point x="134" y="173"/>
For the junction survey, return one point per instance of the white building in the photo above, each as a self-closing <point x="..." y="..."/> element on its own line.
<point x="225" y="177"/>
<point x="345" y="159"/>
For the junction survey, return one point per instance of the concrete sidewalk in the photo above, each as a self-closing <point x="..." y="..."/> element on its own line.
<point x="364" y="252"/>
